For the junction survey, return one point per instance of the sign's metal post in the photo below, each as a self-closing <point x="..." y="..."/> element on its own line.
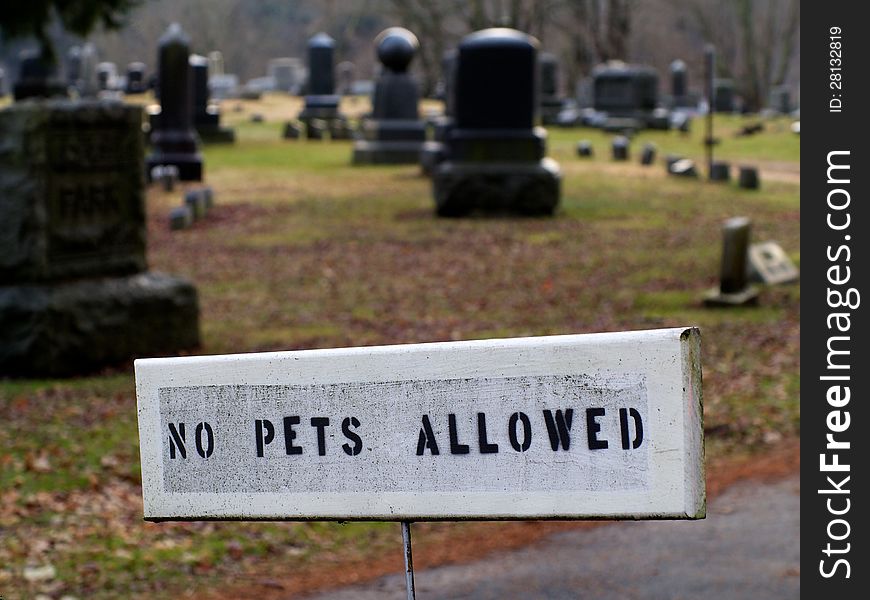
<point x="710" y="74"/>
<point x="409" y="563"/>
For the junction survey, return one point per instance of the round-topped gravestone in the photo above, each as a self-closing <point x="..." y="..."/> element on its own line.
<point x="396" y="48"/>
<point x="136" y="83"/>
<point x="495" y="80"/>
<point x="321" y="51"/>
<point x="174" y="138"/>
<point x="495" y="156"/>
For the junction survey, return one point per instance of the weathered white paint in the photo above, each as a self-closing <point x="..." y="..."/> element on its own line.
<point x="387" y="390"/>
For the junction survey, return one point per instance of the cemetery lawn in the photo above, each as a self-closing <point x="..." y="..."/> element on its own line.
<point x="304" y="251"/>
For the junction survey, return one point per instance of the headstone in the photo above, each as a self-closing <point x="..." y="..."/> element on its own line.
<point x="394" y="134"/>
<point x="136" y="81"/>
<point x="167" y="175"/>
<point x="206" y="115"/>
<point x="559" y="427"/>
<point x="495" y="155"/>
<point x="315" y="129"/>
<point x="180" y="217"/>
<point x="670" y="159"/>
<point x="88" y="85"/>
<point x="723" y="96"/>
<point x="770" y="265"/>
<point x="107" y="74"/>
<point x="292" y="131"/>
<point x="684" y="167"/>
<point x="748" y="178"/>
<point x="37" y="78"/>
<point x="74" y="66"/>
<point x="286" y="73"/>
<point x="619" y="147"/>
<point x="627" y="96"/>
<point x="345" y="72"/>
<point x="195" y="200"/>
<point x="321" y="101"/>
<point x="780" y="99"/>
<point x="679" y="82"/>
<point x="720" y="171"/>
<point x="551" y="101"/>
<point x="224" y="86"/>
<point x="648" y="154"/>
<point x="2" y="82"/>
<point x="734" y="287"/>
<point x="173" y="137"/>
<point x="216" y="66"/>
<point x="585" y="149"/>
<point x="74" y="291"/>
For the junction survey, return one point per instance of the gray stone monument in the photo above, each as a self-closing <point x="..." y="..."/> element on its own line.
<point x="75" y="294"/>
<point x="173" y="139"/>
<point x="394" y="134"/>
<point x="88" y="85"/>
<point x="206" y="115"/>
<point x="551" y="100"/>
<point x="136" y="82"/>
<point x="37" y="78"/>
<point x="734" y="287"/>
<point x="321" y="101"/>
<point x="495" y="155"/>
<point x="345" y="71"/>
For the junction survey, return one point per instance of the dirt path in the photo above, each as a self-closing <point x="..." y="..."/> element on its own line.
<point x="473" y="542"/>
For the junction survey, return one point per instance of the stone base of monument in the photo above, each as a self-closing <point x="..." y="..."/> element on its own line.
<point x="432" y="154"/>
<point x="189" y="165"/>
<point x="498" y="187"/>
<point x="390" y="142"/>
<point x="717" y="298"/>
<point x="59" y="329"/>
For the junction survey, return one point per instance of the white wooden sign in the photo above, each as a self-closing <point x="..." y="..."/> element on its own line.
<point x="578" y="426"/>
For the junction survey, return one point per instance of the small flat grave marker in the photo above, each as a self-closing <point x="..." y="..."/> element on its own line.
<point x="770" y="265"/>
<point x="569" y="427"/>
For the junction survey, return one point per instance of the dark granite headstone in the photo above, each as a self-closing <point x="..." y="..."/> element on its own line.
<point x="723" y="96"/>
<point x="748" y="178"/>
<point x="394" y="134"/>
<point x="679" y="79"/>
<point x="619" y="147"/>
<point x="136" y="81"/>
<point x="106" y="74"/>
<point x="734" y="287"/>
<point x="720" y="171"/>
<point x="173" y="138"/>
<point x="2" y="82"/>
<point x="37" y="78"/>
<point x="551" y="100"/>
<point x="74" y="291"/>
<point x="206" y="116"/>
<point x="494" y="152"/>
<point x="648" y="154"/>
<point x="321" y="101"/>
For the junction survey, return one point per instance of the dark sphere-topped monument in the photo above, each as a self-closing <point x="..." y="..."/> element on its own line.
<point x="394" y="133"/>
<point x="494" y="150"/>
<point x="173" y="138"/>
<point x="396" y="48"/>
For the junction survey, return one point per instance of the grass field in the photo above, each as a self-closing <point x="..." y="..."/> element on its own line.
<point x="305" y="251"/>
